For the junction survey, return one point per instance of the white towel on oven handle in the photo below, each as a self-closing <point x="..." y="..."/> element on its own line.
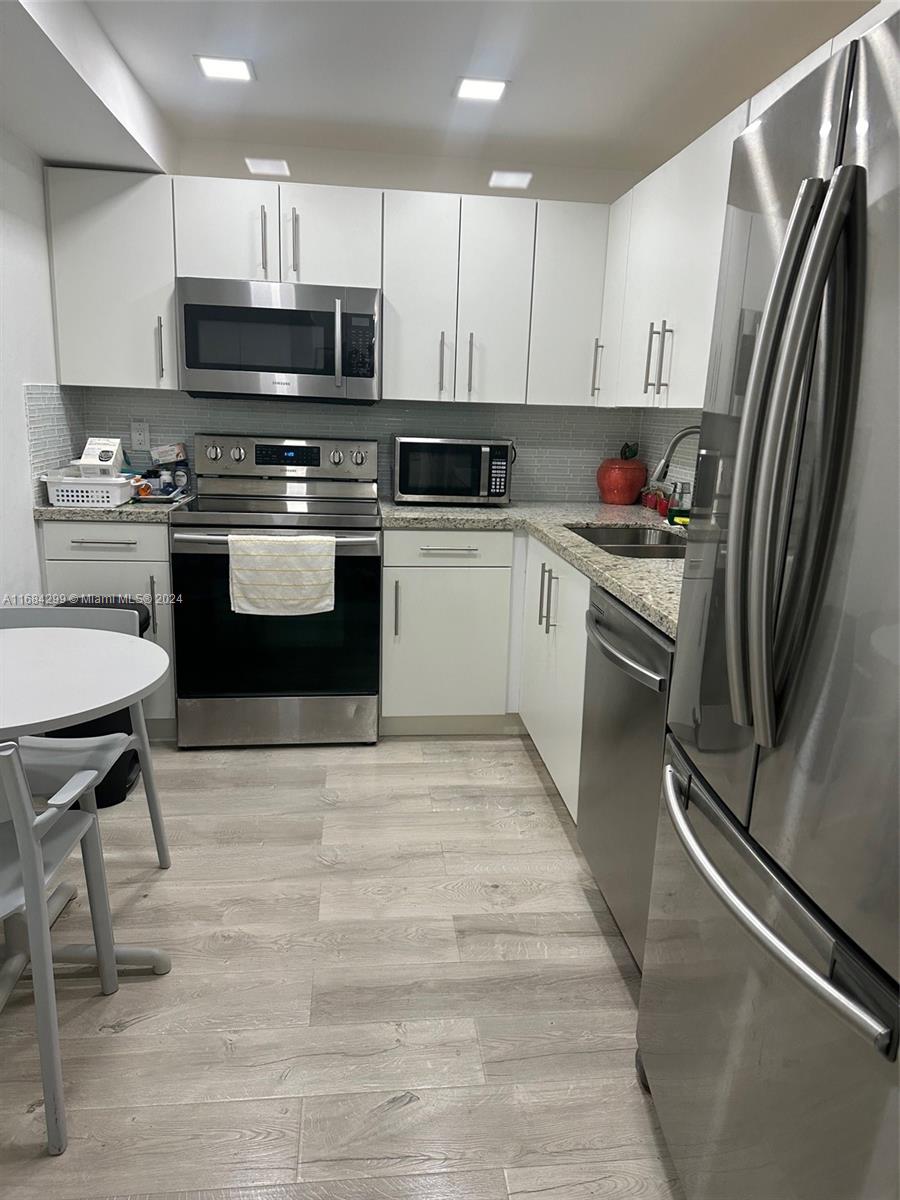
<point x="281" y="576"/>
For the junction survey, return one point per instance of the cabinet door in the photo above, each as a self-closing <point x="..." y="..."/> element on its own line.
<point x="421" y="266"/>
<point x="697" y="190"/>
<point x="330" y="235"/>
<point x="535" y="698"/>
<point x="226" y="228"/>
<point x="113" y="277"/>
<point x="613" y="298"/>
<point x="445" y="641"/>
<point x="148" y="582"/>
<point x="643" y="301"/>
<point x="496" y="257"/>
<point x="567" y="302"/>
<point x="567" y="600"/>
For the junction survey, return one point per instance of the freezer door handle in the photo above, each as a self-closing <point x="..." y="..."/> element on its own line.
<point x="858" y="1018"/>
<point x="768" y="337"/>
<point x="650" y="679"/>
<point x="781" y="448"/>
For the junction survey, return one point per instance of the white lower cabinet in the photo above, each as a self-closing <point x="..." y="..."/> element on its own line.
<point x="445" y="638"/>
<point x="554" y="652"/>
<point x="149" y="582"/>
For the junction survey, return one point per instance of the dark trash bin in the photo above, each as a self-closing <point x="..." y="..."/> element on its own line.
<point x="127" y="769"/>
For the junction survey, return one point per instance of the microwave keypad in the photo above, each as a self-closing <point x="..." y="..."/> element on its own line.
<point x="498" y="472"/>
<point x="359" y="354"/>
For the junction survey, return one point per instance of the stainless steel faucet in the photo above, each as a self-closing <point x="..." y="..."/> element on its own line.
<point x="661" y="470"/>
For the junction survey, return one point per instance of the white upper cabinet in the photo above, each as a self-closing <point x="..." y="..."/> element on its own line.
<point x="496" y="258"/>
<point x="569" y="258"/>
<point x="613" y="298"/>
<point x="674" y="249"/>
<point x="113" y="277"/>
<point x="226" y="228"/>
<point x="421" y="264"/>
<point x="330" y="235"/>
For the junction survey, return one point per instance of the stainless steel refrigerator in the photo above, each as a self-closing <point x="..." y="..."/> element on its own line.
<point x="768" y="1015"/>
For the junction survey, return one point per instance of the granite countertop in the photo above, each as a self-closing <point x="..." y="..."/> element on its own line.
<point x="149" y="514"/>
<point x="650" y="586"/>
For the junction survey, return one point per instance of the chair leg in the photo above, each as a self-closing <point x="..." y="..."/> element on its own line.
<point x="45" y="1012"/>
<point x="98" y="898"/>
<point x="139" y="726"/>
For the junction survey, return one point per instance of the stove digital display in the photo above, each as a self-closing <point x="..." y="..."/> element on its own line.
<point x="288" y="456"/>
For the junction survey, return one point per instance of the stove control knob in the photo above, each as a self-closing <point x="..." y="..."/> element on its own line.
<point x="337" y="457"/>
<point x="213" y="453"/>
<point x="238" y="453"/>
<point x="359" y="457"/>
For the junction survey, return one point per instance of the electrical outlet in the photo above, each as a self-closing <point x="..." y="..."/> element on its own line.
<point x="140" y="435"/>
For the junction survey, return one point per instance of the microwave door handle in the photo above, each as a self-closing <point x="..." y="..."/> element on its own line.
<point x="485" y="471"/>
<point x="338" y="347"/>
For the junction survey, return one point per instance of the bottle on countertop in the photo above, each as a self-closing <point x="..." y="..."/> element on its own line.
<point x="166" y="482"/>
<point x="680" y="504"/>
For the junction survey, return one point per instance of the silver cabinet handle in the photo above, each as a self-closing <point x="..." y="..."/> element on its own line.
<point x="396" y="608"/>
<point x="548" y="624"/>
<point x="859" y="1019"/>
<point x="449" y="549"/>
<point x="441" y="364"/>
<point x="768" y="336"/>
<point x="264" y="237"/>
<point x="780" y="449"/>
<point x="664" y="330"/>
<point x="595" y="387"/>
<point x="159" y="346"/>
<point x="541" y="596"/>
<point x="153" y="605"/>
<point x="295" y="241"/>
<point x="103" y="541"/>
<point x="338" y="346"/>
<point x="656" y="683"/>
<point x="654" y="332"/>
<point x="471" y="358"/>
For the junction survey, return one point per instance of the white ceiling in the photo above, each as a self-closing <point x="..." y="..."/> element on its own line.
<point x="619" y="84"/>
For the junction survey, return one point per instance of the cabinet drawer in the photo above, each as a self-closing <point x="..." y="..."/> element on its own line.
<point x="447" y="548"/>
<point x="122" y="540"/>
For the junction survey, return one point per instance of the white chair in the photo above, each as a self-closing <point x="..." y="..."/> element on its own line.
<point x="32" y="850"/>
<point x="58" y="758"/>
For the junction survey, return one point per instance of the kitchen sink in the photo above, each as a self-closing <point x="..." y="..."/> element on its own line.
<point x="629" y="542"/>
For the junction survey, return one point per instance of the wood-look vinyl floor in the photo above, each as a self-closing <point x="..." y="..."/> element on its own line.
<point x="393" y="979"/>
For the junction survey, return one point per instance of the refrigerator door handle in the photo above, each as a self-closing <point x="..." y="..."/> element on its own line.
<point x="875" y="1032"/>
<point x="768" y="337"/>
<point x="780" y="449"/>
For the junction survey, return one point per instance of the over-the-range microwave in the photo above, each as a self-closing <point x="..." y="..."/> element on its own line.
<point x="452" y="470"/>
<point x="298" y="341"/>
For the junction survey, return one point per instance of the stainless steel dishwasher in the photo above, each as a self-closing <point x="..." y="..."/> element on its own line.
<point x="622" y="744"/>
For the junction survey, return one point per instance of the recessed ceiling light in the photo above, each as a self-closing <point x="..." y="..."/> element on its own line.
<point x="267" y="166"/>
<point x="510" y="179"/>
<point x="480" y="89"/>
<point x="240" y="69"/>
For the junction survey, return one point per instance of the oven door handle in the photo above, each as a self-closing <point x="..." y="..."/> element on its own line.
<point x="221" y="539"/>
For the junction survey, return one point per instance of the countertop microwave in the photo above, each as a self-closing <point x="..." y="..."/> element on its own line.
<point x="452" y="470"/>
<point x="298" y="341"/>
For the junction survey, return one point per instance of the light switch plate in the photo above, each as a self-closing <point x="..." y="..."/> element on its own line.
<point x="140" y="435"/>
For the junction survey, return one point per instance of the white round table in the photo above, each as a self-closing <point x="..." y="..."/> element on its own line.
<point x="54" y="676"/>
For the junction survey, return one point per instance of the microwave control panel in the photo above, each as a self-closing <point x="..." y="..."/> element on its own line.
<point x="359" y="346"/>
<point x="498" y="477"/>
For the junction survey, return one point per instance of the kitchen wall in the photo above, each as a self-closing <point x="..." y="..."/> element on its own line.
<point x="26" y="352"/>
<point x="559" y="449"/>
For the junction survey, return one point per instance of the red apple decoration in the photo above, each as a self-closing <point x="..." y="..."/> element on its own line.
<point x="619" y="480"/>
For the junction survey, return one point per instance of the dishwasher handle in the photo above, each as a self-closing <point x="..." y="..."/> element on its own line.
<point x="650" y="679"/>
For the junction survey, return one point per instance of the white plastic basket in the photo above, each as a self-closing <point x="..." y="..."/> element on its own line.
<point x="87" y="492"/>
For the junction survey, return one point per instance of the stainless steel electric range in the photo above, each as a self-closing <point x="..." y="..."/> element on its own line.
<point x="256" y="680"/>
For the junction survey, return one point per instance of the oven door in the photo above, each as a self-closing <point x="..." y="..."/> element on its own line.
<point x="239" y="678"/>
<point x="440" y="470"/>
<point x="278" y="339"/>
